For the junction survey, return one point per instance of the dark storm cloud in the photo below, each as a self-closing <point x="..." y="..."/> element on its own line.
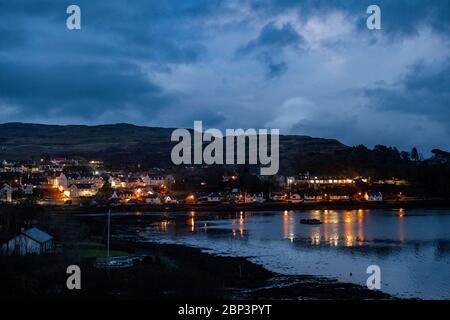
<point x="268" y="47"/>
<point x="85" y="89"/>
<point x="147" y="29"/>
<point x="272" y="38"/>
<point x="45" y="67"/>
<point x="424" y="90"/>
<point x="170" y="62"/>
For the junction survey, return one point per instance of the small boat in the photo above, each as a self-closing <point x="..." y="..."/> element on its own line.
<point x="114" y="263"/>
<point x="310" y="221"/>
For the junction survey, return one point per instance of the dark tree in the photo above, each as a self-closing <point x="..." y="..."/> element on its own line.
<point x="415" y="154"/>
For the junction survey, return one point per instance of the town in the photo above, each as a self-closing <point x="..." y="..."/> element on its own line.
<point x="87" y="183"/>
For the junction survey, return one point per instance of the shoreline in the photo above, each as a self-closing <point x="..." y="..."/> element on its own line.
<point x="168" y="273"/>
<point x="246" y="280"/>
<point x="344" y="205"/>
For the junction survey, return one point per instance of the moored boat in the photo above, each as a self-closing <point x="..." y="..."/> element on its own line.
<point x="114" y="263"/>
<point x="310" y="221"/>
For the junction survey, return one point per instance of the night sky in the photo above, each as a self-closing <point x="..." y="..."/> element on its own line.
<point x="305" y="67"/>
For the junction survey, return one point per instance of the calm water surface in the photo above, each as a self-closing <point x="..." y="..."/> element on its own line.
<point x="412" y="247"/>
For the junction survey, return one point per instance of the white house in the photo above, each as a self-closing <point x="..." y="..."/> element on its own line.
<point x="339" y="197"/>
<point x="6" y="193"/>
<point x="153" y="199"/>
<point x="124" y="195"/>
<point x="65" y="181"/>
<point x="31" y="241"/>
<point x="214" y="197"/>
<point x="373" y="196"/>
<point x="116" y="182"/>
<point x="18" y="168"/>
<point x="27" y="189"/>
<point x="81" y="190"/>
<point x="294" y="198"/>
<point x="157" y="180"/>
<point x="255" y="198"/>
<point x="62" y="181"/>
<point x="170" y="199"/>
<point x="312" y="196"/>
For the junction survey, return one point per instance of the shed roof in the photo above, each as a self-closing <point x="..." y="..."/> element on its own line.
<point x="37" y="235"/>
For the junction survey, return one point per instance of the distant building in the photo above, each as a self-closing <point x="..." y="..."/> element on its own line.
<point x="158" y="180"/>
<point x="255" y="198"/>
<point x="124" y="195"/>
<point x="214" y="197"/>
<point x="62" y="181"/>
<point x="66" y="180"/>
<point x="116" y="182"/>
<point x="170" y="199"/>
<point x="339" y="196"/>
<point x="373" y="196"/>
<point x="35" y="181"/>
<point x="294" y="198"/>
<point x="134" y="182"/>
<point x="277" y="196"/>
<point x="318" y="181"/>
<point x="6" y="193"/>
<point x="31" y="241"/>
<point x="153" y="199"/>
<point x="27" y="189"/>
<point x="18" y="168"/>
<point x="81" y="190"/>
<point x="313" y="195"/>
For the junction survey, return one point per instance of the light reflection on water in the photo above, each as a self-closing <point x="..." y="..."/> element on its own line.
<point x="412" y="247"/>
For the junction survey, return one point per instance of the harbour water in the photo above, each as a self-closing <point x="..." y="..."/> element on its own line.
<point x="411" y="247"/>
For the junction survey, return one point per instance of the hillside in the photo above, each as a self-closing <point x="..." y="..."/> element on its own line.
<point x="122" y="143"/>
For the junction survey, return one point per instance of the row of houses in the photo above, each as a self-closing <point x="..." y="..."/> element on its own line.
<point x="130" y="196"/>
<point x="6" y="191"/>
<point x="312" y="196"/>
<point x="318" y="181"/>
<point x="66" y="180"/>
<point x="141" y="181"/>
<point x="76" y="185"/>
<point x="76" y="182"/>
<point x="233" y="197"/>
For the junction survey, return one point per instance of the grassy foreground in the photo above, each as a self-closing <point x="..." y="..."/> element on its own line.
<point x="171" y="273"/>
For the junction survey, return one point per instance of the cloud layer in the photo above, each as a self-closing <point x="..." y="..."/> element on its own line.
<point x="306" y="67"/>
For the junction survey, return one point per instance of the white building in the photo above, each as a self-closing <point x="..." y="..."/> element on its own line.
<point x="153" y="199"/>
<point x="6" y="193"/>
<point x="81" y="190"/>
<point x="62" y="181"/>
<point x="31" y="241"/>
<point x="116" y="182"/>
<point x="214" y="197"/>
<point x="170" y="199"/>
<point x="254" y="198"/>
<point x="65" y="181"/>
<point x="28" y="189"/>
<point x="158" y="180"/>
<point x="277" y="196"/>
<point x="294" y="198"/>
<point x="373" y="196"/>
